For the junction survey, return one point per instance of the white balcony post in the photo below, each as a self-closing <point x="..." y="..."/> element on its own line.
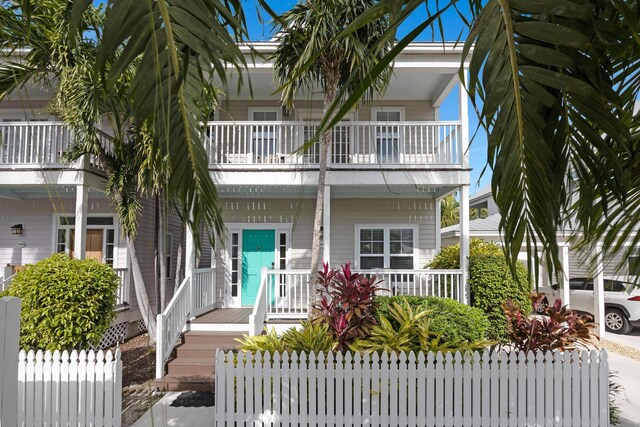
<point x="464" y="242"/>
<point x="326" y="225"/>
<point x="80" y="236"/>
<point x="565" y="275"/>
<point x="438" y="208"/>
<point x="598" y="292"/>
<point x="463" y="109"/>
<point x="190" y="252"/>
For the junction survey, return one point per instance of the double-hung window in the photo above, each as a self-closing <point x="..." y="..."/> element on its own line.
<point x="391" y="247"/>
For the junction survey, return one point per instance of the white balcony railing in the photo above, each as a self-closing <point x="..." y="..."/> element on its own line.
<point x="287" y="291"/>
<point x="24" y="144"/>
<point x="29" y="143"/>
<point x="354" y="143"/>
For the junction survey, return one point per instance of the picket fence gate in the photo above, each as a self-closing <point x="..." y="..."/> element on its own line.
<point x="433" y="389"/>
<point x="69" y="389"/>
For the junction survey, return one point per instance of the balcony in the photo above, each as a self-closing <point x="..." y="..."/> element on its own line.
<point x="366" y="145"/>
<point x="24" y="145"/>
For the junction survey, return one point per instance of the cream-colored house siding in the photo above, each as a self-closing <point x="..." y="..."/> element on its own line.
<point x="347" y="213"/>
<point x="295" y="212"/>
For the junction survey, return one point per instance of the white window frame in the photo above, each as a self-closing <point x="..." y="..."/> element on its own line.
<point x="279" y="228"/>
<point x="116" y="240"/>
<point x="387" y="246"/>
<point x="277" y="110"/>
<point x="374" y="119"/>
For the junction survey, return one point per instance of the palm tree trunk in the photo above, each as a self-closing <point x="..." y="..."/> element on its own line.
<point x="330" y="91"/>
<point x="141" y="292"/>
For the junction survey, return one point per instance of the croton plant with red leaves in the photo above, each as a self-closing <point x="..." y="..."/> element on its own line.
<point x="560" y="328"/>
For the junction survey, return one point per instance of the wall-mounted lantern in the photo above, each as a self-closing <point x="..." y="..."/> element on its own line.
<point x="16" y="229"/>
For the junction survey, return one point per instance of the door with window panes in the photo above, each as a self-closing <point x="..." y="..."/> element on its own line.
<point x="264" y="137"/>
<point x="100" y="238"/>
<point x="389" y="248"/>
<point x="388" y="138"/>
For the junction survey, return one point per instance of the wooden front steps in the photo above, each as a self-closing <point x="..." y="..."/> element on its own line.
<point x="193" y="367"/>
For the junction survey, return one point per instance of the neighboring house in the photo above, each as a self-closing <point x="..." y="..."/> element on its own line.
<point x="575" y="263"/>
<point x="483" y="199"/>
<point x="44" y="199"/>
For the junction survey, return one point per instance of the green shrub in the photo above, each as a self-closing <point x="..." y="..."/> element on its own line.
<point x="413" y="332"/>
<point x="491" y="284"/>
<point x="454" y="320"/>
<point x="449" y="257"/>
<point x="66" y="303"/>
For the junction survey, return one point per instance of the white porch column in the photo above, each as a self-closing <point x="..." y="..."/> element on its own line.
<point x="598" y="292"/>
<point x="566" y="291"/>
<point x="190" y="252"/>
<point x="464" y="242"/>
<point x="80" y="234"/>
<point x="463" y="110"/>
<point x="326" y="225"/>
<point x="438" y="208"/>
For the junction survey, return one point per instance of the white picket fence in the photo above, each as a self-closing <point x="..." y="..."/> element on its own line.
<point x="452" y="389"/>
<point x="61" y="388"/>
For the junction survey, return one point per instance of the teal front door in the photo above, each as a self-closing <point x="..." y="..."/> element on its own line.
<point x="258" y="251"/>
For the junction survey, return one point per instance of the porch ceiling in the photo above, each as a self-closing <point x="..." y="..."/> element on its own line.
<point x="40" y="192"/>
<point x="368" y="191"/>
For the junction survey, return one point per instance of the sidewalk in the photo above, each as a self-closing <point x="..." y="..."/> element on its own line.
<point x="180" y="409"/>
<point x="626" y="371"/>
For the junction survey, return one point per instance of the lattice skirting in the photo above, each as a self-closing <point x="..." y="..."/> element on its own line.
<point x="141" y="327"/>
<point x="115" y="334"/>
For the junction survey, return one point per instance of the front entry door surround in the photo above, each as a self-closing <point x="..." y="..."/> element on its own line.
<point x="258" y="251"/>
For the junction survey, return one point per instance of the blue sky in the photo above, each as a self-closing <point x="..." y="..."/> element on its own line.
<point x="454" y="29"/>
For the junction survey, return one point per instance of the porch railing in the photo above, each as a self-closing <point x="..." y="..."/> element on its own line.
<point x="123" y="294"/>
<point x="195" y="295"/>
<point x="28" y="143"/>
<point x="354" y="143"/>
<point x="287" y="291"/>
<point x="5" y="282"/>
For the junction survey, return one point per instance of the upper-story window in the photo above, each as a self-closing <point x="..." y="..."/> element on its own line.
<point x="264" y="141"/>
<point x="388" y="138"/>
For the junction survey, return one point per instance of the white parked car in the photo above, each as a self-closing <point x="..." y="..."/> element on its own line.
<point x="621" y="301"/>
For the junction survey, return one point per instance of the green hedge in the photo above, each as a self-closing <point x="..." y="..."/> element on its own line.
<point x="454" y="320"/>
<point x="449" y="257"/>
<point x="66" y="303"/>
<point x="491" y="283"/>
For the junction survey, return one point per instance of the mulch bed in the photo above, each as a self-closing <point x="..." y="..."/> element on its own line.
<point x="138" y="373"/>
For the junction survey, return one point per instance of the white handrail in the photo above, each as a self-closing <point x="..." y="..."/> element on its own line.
<point x="203" y="296"/>
<point x="171" y="322"/>
<point x="354" y="143"/>
<point x="287" y="291"/>
<point x="122" y="293"/>
<point x="259" y="313"/>
<point x="4" y="284"/>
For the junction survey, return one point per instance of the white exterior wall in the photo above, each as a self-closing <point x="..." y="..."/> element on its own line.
<point x="37" y="219"/>
<point x="347" y="213"/>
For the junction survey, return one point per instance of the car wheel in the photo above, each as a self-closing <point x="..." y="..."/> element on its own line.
<point x="542" y="306"/>
<point x="615" y="321"/>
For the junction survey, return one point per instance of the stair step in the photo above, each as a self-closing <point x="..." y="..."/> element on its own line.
<point x="185" y="382"/>
<point x="222" y="340"/>
<point x="197" y="350"/>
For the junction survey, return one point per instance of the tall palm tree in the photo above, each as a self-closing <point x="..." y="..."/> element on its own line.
<point x="133" y="166"/>
<point x="309" y="30"/>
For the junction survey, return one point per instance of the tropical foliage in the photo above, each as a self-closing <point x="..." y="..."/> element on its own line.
<point x="66" y="303"/>
<point x="345" y="303"/>
<point x="310" y="337"/>
<point x="451" y="319"/>
<point x="560" y="329"/>
<point x="449" y="256"/>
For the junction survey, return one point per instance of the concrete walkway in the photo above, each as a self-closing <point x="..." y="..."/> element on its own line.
<point x="626" y="372"/>
<point x="186" y="409"/>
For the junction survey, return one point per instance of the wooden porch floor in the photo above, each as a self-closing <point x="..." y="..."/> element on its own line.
<point x="231" y="316"/>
